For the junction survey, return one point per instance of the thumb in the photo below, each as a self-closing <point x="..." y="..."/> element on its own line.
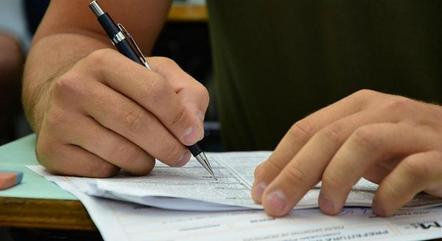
<point x="196" y="99"/>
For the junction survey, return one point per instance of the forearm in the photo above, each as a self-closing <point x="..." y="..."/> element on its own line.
<point x="49" y="58"/>
<point x="69" y="32"/>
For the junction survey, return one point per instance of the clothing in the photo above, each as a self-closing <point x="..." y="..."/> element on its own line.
<point x="277" y="61"/>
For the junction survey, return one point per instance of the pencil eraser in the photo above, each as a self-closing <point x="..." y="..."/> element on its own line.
<point x="10" y="178"/>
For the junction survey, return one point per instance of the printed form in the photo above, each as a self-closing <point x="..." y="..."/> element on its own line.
<point x="123" y="221"/>
<point x="212" y="204"/>
<point x="191" y="188"/>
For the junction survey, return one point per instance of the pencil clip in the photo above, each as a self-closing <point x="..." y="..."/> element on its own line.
<point x="134" y="45"/>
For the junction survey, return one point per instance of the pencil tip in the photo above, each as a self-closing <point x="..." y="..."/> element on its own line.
<point x="204" y="161"/>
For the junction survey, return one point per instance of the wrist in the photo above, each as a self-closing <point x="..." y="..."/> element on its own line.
<point x="35" y="103"/>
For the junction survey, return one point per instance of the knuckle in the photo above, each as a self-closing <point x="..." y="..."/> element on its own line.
<point x="154" y="89"/>
<point x="400" y="104"/>
<point x="364" y="93"/>
<point x="165" y="61"/>
<point x="361" y="97"/>
<point x="295" y="176"/>
<point x="179" y="117"/>
<point x="99" y="57"/>
<point x="258" y="172"/>
<point x="266" y="169"/>
<point x="127" y="153"/>
<point x="134" y="121"/>
<point x="364" y="137"/>
<point x="70" y="88"/>
<point x="302" y="130"/>
<point x="416" y="169"/>
<point x="132" y="158"/>
<point x="131" y="155"/>
<point x="102" y="169"/>
<point x="204" y="93"/>
<point x="66" y="85"/>
<point x="334" y="133"/>
<point x="332" y="182"/>
<point x="271" y="166"/>
<point x="55" y="119"/>
<point x="172" y="153"/>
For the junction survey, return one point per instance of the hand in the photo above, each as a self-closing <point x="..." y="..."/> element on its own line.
<point x="107" y="113"/>
<point x="388" y="139"/>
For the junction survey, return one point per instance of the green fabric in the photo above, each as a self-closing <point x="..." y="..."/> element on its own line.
<point x="277" y="61"/>
<point x="15" y="156"/>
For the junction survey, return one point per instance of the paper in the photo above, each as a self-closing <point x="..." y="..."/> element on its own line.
<point x="118" y="221"/>
<point x="143" y="224"/>
<point x="192" y="188"/>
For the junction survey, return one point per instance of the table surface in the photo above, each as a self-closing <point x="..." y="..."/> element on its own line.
<point x="188" y="13"/>
<point x="36" y="202"/>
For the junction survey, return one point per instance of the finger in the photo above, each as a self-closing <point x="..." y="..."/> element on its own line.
<point x="414" y="174"/>
<point x="376" y="173"/>
<point x="193" y="94"/>
<point x="196" y="100"/>
<point x="366" y="146"/>
<point x="108" y="145"/>
<point x="71" y="160"/>
<point x="300" y="133"/>
<point x="150" y="90"/>
<point x="298" y="176"/>
<point x="121" y="115"/>
<point x="292" y="180"/>
<point x="306" y="168"/>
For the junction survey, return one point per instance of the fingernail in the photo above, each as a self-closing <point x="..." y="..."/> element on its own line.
<point x="259" y="190"/>
<point x="277" y="202"/>
<point x="326" y="205"/>
<point x="183" y="159"/>
<point x="190" y="136"/>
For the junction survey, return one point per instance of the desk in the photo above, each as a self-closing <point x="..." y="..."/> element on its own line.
<point x="187" y="13"/>
<point x="37" y="203"/>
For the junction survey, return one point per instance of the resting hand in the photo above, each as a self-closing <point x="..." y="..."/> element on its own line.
<point x="391" y="140"/>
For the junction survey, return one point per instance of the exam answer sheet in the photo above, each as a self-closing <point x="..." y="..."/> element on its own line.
<point x="123" y="221"/>
<point x="191" y="188"/>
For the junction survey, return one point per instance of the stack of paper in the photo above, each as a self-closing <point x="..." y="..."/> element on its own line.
<point x="191" y="189"/>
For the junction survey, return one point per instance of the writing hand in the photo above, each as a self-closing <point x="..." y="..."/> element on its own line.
<point x="107" y="113"/>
